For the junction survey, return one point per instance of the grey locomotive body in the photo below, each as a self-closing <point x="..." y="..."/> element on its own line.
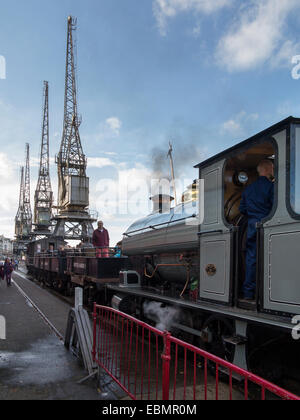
<point x="200" y="268"/>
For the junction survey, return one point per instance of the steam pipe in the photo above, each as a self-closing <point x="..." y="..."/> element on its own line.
<point x="188" y="271"/>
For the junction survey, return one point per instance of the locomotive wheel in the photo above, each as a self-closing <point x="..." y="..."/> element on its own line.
<point x="186" y="320"/>
<point x="215" y="329"/>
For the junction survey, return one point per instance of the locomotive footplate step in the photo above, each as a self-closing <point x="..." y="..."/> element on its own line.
<point x="235" y="376"/>
<point x="235" y="340"/>
<point x="247" y="304"/>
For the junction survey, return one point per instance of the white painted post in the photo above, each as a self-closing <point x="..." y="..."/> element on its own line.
<point x="2" y="328"/>
<point x="78" y="297"/>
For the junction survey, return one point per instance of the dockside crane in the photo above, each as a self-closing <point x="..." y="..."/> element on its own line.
<point x="27" y="224"/>
<point x="73" y="220"/>
<point x="23" y="219"/>
<point x="19" y="220"/>
<point x="43" y="200"/>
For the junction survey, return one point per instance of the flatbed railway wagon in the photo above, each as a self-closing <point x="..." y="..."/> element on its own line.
<point x="198" y="270"/>
<point x="63" y="270"/>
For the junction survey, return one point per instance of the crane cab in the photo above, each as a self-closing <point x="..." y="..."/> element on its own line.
<point x="224" y="230"/>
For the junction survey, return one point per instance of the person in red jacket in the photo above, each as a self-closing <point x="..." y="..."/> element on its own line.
<point x="101" y="241"/>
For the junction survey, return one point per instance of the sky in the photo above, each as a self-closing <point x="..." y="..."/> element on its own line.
<point x="203" y="74"/>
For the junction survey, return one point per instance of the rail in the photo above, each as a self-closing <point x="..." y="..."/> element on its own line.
<point x="153" y="365"/>
<point x="90" y="252"/>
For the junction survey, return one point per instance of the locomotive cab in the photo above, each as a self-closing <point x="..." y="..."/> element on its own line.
<point x="223" y="231"/>
<point x="240" y="171"/>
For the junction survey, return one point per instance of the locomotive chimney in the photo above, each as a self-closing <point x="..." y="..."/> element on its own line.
<point x="161" y="203"/>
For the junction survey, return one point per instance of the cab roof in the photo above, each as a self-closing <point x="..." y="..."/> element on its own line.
<point x="273" y="129"/>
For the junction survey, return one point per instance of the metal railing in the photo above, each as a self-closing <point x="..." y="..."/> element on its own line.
<point x="149" y="364"/>
<point x="89" y="251"/>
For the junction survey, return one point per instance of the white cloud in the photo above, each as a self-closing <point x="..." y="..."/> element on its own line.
<point x="122" y="199"/>
<point x="114" y="125"/>
<point x="108" y="129"/>
<point x="259" y="35"/>
<point x="6" y="171"/>
<point x="236" y="125"/>
<point x="99" y="162"/>
<point x="288" y="108"/>
<point x="232" y="126"/>
<point x="283" y="58"/>
<point x="167" y="9"/>
<point x="9" y="192"/>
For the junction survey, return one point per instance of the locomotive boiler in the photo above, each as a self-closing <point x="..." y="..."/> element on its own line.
<point x="167" y="240"/>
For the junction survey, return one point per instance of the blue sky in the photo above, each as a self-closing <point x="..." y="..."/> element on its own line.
<point x="203" y="73"/>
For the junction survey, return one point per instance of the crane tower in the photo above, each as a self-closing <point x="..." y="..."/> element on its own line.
<point x="43" y="200"/>
<point x="73" y="220"/>
<point x="27" y="225"/>
<point x="19" y="220"/>
<point x="23" y="220"/>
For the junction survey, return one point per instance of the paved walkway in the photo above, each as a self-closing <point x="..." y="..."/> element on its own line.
<point x="34" y="364"/>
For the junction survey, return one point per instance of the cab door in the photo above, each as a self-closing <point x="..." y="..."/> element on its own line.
<point x="280" y="236"/>
<point x="215" y="240"/>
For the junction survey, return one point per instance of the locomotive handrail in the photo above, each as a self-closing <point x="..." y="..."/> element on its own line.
<point x="158" y="225"/>
<point x="209" y="232"/>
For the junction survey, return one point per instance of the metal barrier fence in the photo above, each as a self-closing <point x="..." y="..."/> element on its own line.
<point x="82" y="251"/>
<point x="151" y="365"/>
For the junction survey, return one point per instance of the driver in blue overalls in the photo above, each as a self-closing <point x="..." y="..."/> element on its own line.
<point x="257" y="203"/>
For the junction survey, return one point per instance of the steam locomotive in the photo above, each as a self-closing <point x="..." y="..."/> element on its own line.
<point x="172" y="260"/>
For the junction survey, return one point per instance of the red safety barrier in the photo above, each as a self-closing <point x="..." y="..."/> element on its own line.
<point x="151" y="365"/>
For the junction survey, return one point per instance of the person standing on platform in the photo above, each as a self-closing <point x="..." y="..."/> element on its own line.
<point x="8" y="269"/>
<point x="101" y="241"/>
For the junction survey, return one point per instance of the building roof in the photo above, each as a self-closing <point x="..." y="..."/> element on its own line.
<point x="3" y="238"/>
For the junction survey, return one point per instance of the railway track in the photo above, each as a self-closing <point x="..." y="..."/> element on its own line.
<point x="53" y="314"/>
<point x="39" y="311"/>
<point x="67" y="299"/>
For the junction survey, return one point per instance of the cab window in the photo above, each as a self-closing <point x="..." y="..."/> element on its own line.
<point x="241" y="171"/>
